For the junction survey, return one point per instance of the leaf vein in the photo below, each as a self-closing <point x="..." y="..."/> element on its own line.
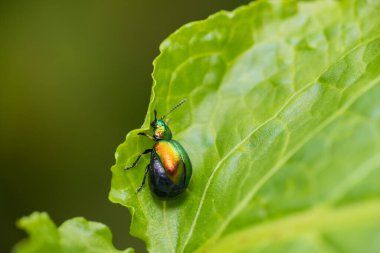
<point x="271" y="172"/>
<point x="278" y="165"/>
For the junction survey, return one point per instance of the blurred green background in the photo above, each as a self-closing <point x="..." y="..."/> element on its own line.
<point x="74" y="79"/>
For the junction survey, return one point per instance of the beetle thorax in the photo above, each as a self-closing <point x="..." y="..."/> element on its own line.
<point x="161" y="131"/>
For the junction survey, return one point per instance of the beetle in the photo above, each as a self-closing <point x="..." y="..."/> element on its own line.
<point x="170" y="167"/>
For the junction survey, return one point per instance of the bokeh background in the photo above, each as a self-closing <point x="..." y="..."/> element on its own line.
<point x="75" y="77"/>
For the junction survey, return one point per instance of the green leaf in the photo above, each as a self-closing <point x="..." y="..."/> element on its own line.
<point x="76" y="235"/>
<point x="282" y="126"/>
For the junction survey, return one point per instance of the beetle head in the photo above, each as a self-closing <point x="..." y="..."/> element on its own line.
<point x="161" y="131"/>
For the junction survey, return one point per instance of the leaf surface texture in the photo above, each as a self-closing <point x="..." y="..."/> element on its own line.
<point x="282" y="126"/>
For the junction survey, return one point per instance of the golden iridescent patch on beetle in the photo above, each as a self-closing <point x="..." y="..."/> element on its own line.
<point x="171" y="160"/>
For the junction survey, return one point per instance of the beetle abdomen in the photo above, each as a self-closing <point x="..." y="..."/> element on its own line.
<point x="168" y="169"/>
<point x="160" y="184"/>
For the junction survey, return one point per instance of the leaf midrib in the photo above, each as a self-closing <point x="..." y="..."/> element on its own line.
<point x="343" y="187"/>
<point x="316" y="219"/>
<point x="326" y="122"/>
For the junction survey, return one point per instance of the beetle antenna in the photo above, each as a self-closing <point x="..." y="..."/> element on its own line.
<point x="175" y="107"/>
<point x="155" y="115"/>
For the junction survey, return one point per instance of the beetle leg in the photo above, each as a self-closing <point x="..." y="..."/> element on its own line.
<point x="138" y="158"/>
<point x="143" y="182"/>
<point x="147" y="135"/>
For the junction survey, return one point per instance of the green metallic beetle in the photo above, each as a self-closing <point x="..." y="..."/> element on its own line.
<point x="170" y="166"/>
